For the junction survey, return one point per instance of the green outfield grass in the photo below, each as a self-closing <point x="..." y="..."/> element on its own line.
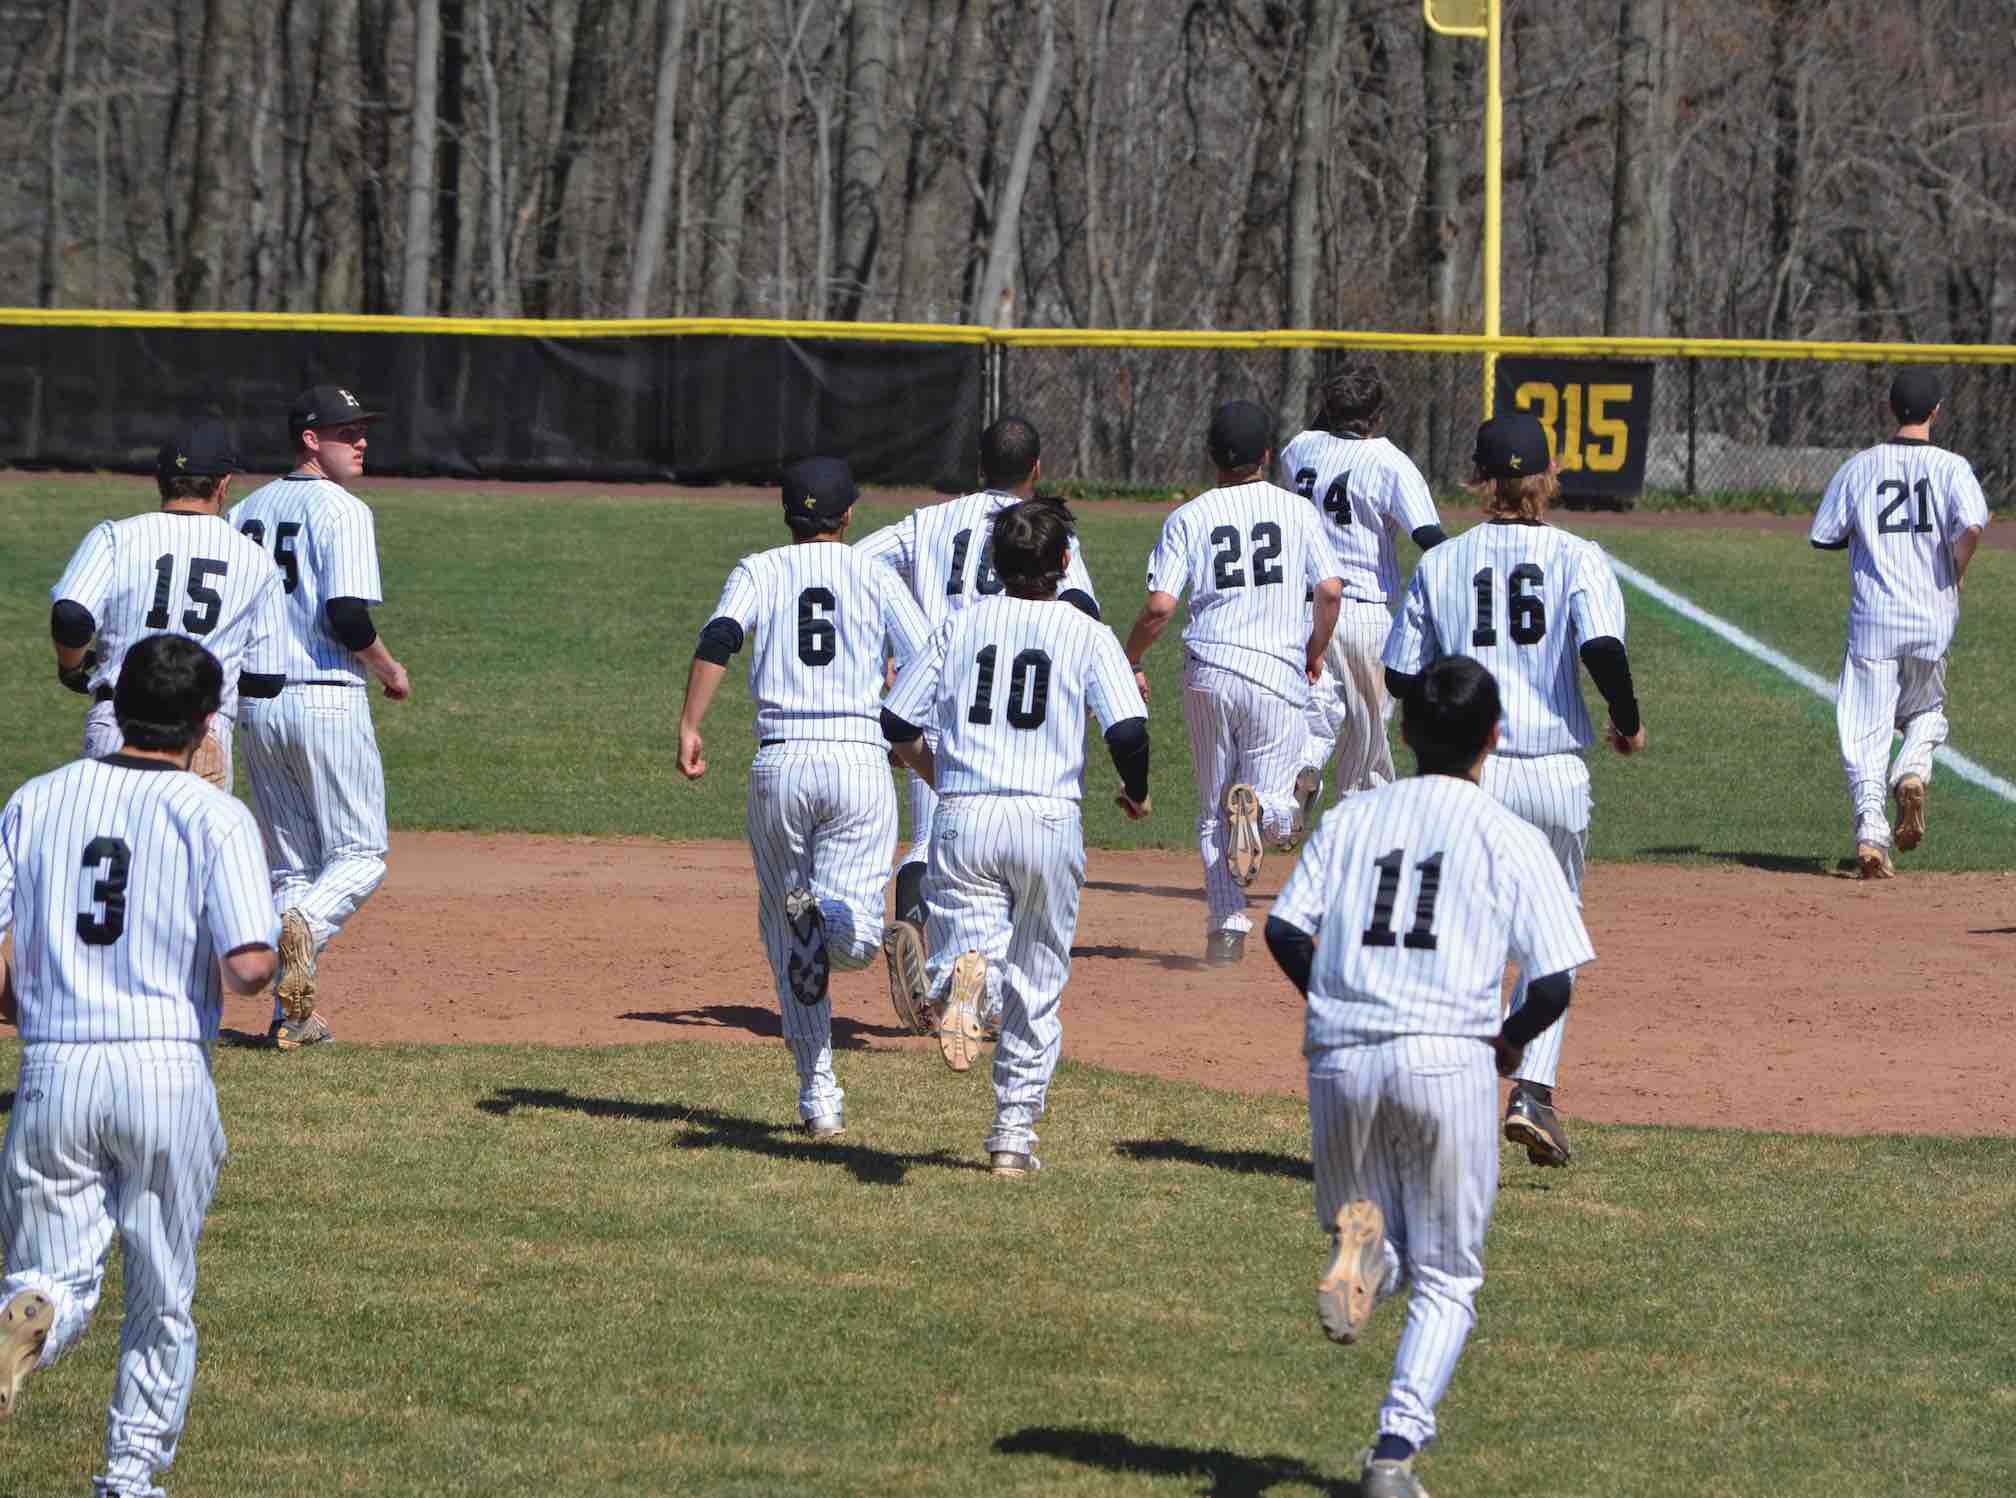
<point x="549" y="638"/>
<point x="434" y="1270"/>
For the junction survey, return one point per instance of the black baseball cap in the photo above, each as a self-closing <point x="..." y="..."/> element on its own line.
<point x="207" y="452"/>
<point x="1512" y="446"/>
<point x="822" y="488"/>
<point x="1242" y="433"/>
<point x="328" y="406"/>
<point x="1914" y="393"/>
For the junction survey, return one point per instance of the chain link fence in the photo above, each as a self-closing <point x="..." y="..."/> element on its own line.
<point x="1723" y="430"/>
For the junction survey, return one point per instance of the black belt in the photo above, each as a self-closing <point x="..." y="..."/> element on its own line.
<point x="766" y="743"/>
<point x="103" y="694"/>
<point x="325" y="681"/>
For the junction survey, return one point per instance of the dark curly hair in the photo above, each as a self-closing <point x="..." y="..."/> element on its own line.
<point x="1032" y="545"/>
<point x="1350" y="401"/>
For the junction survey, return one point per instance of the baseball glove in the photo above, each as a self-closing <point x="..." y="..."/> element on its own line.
<point x="209" y="761"/>
<point x="78" y="677"/>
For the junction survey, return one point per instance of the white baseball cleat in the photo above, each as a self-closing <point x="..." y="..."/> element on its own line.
<point x="959" y="1022"/>
<point x="1347" y="1294"/>
<point x="1872" y="861"/>
<point x="1243" y="847"/>
<point x="24" y="1327"/>
<point x="294" y="985"/>
<point x="1910" y="792"/>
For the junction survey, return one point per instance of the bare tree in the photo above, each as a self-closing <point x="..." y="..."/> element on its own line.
<point x="195" y="270"/>
<point x="728" y="199"/>
<point x="995" y="301"/>
<point x="53" y="178"/>
<point x="419" y="242"/>
<point x="1321" y="20"/>
<point x="1628" y="300"/>
<point x="861" y="131"/>
<point x="649" y="251"/>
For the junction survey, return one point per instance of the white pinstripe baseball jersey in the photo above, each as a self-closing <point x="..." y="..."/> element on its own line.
<point x="184" y="573"/>
<point x="1417" y="892"/>
<point x="1365" y="488"/>
<point x="821" y="615"/>
<point x="326" y="545"/>
<point x="125" y="880"/>
<point x="945" y="552"/>
<point x="1247" y="555"/>
<point x="1523" y="600"/>
<point x="1900" y="506"/>
<point x="1004" y="687"/>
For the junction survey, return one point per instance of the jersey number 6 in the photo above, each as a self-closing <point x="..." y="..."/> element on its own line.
<point x="818" y="641"/>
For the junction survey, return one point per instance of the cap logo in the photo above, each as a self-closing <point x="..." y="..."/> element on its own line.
<point x="348" y="398"/>
<point x="1514" y="460"/>
<point x="181" y="460"/>
<point x="808" y="501"/>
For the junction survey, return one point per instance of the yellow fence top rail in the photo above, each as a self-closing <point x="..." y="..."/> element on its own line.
<point x="892" y="332"/>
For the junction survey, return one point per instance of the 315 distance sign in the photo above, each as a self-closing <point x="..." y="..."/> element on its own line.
<point x="1598" y="415"/>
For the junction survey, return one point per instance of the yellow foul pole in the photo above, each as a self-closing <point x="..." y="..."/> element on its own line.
<point x="1483" y="19"/>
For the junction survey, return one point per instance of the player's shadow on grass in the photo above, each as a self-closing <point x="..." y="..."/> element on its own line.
<point x="1774" y="863"/>
<point x="1230" y="1474"/>
<point x="848" y="1034"/>
<point x="6" y="1107"/>
<point x="1175" y="962"/>
<point x="1240" y="1162"/>
<point x="709" y="1129"/>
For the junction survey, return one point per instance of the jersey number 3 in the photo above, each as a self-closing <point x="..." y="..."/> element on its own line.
<point x="106" y="860"/>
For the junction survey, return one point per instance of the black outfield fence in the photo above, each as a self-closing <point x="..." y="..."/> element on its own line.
<point x="695" y="407"/>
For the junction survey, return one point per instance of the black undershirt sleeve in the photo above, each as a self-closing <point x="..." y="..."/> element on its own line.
<point x="259" y="684"/>
<point x="721" y="638"/>
<point x="1546" y="1002"/>
<point x="1294" y="951"/>
<point x="71" y="624"/>
<point x="899" y="731"/>
<point x="1080" y="600"/>
<point x="1399" y="685"/>
<point x="1127" y="742"/>
<point x="1841" y="545"/>
<point x="1428" y="537"/>
<point x="1610" y="668"/>
<point x="350" y="622"/>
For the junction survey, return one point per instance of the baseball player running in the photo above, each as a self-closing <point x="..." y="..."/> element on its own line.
<point x="1910" y="516"/>
<point x="181" y="570"/>
<point x="1004" y="687"/>
<point x="822" y="811"/>
<point x="1250" y="555"/>
<point x="133" y="891"/>
<point x="1365" y="490"/>
<point x="1527" y="600"/>
<point x="311" y="754"/>
<point x="1395" y="926"/>
<point x="945" y="554"/>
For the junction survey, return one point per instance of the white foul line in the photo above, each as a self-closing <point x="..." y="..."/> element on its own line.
<point x="1756" y="649"/>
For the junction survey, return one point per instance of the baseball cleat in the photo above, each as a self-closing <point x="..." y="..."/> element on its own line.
<point x="1243" y="847"/>
<point x="293" y="1034"/>
<point x="825" y="1126"/>
<point x="959" y="1021"/>
<point x="1347" y="1294"/>
<point x="1225" y="948"/>
<point x="1910" y="792"/>
<point x="1308" y="794"/>
<point x="294" y="985"/>
<point x="24" y="1326"/>
<point x="1012" y="1164"/>
<point x="806" y="968"/>
<point x="1530" y="1121"/>
<point x="1872" y="861"/>
<point x="1388" y="1479"/>
<point x="909" y="994"/>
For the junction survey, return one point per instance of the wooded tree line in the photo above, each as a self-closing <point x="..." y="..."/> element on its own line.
<point x="1780" y="168"/>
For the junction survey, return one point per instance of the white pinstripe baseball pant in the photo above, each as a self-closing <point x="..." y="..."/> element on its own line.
<point x="1412" y="1124"/>
<point x="822" y="816"/>
<point x="105" y="1139"/>
<point x="1552" y="792"/>
<point x="1348" y="707"/>
<point x="1006" y="872"/>
<point x="102" y="737"/>
<point x="318" y="789"/>
<point x="1240" y="733"/>
<point x="1877" y="698"/>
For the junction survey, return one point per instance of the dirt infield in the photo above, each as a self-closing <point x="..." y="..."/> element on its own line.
<point x="1726" y="996"/>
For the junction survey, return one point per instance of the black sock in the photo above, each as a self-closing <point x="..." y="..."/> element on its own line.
<point x="910" y="894"/>
<point x="1392" y="1449"/>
